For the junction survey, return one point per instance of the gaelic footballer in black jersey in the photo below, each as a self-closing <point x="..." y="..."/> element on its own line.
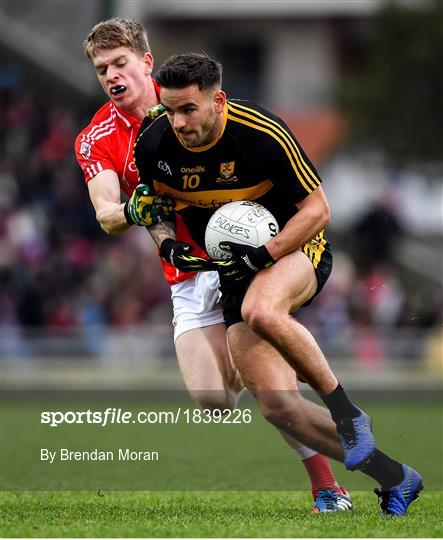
<point x="255" y="158"/>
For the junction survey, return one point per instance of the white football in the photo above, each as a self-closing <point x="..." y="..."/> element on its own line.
<point x="243" y="222"/>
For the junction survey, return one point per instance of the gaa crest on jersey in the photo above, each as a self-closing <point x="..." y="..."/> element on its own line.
<point x="227" y="169"/>
<point x="85" y="150"/>
<point x="227" y="173"/>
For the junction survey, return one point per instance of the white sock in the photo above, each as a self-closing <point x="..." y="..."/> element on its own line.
<point x="304" y="452"/>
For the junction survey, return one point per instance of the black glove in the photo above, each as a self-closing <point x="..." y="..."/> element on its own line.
<point x="180" y="256"/>
<point x="145" y="209"/>
<point x="245" y="261"/>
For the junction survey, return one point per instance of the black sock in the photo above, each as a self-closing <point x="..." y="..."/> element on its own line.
<point x="386" y="471"/>
<point x="339" y="405"/>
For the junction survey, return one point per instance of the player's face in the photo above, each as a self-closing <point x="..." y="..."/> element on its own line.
<point x="195" y="115"/>
<point x="123" y="75"/>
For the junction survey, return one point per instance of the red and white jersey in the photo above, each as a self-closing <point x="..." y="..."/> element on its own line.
<point x="107" y="144"/>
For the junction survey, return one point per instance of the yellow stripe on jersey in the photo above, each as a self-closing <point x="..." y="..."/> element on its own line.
<point x="315" y="248"/>
<point x="213" y="198"/>
<point x="259" y="128"/>
<point x="307" y="177"/>
<point x="314" y="180"/>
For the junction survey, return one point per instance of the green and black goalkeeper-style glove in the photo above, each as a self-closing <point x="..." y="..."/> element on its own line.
<point x="180" y="255"/>
<point x="245" y="261"/>
<point x="146" y="210"/>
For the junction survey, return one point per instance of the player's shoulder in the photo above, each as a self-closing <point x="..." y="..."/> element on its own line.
<point x="151" y="130"/>
<point x="102" y="124"/>
<point x="254" y="122"/>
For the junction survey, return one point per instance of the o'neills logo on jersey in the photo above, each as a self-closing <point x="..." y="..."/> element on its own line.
<point x="226" y="173"/>
<point x="193" y="170"/>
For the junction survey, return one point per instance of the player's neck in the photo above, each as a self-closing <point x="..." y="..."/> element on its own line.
<point x="149" y="100"/>
<point x="216" y="130"/>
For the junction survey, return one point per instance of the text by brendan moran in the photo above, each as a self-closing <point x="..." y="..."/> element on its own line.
<point x="122" y="454"/>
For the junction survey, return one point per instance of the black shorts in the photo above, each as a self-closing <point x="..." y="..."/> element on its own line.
<point x="233" y="295"/>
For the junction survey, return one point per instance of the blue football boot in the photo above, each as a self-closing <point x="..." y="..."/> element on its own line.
<point x="356" y="439"/>
<point x="396" y="500"/>
<point x="334" y="499"/>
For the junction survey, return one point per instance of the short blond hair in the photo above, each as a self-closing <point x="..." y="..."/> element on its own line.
<point x="115" y="33"/>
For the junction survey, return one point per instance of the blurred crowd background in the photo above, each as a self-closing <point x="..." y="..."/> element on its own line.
<point x="360" y="84"/>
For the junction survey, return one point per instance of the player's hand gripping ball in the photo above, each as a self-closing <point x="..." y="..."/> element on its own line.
<point x="245" y="261"/>
<point x="235" y="238"/>
<point x="145" y="209"/>
<point x="180" y="255"/>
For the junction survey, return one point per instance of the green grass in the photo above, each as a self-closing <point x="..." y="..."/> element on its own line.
<point x="250" y="463"/>
<point x="206" y="514"/>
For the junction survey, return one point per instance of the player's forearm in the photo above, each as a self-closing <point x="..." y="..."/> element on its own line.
<point x="162" y="231"/>
<point x="304" y="226"/>
<point x="112" y="218"/>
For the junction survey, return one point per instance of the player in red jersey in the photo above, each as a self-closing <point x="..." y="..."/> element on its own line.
<point x="121" y="57"/>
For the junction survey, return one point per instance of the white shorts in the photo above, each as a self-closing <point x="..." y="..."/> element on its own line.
<point x="196" y="303"/>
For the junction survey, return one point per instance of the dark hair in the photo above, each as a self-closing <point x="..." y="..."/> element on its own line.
<point x="183" y="70"/>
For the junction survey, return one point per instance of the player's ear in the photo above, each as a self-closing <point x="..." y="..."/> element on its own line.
<point x="149" y="63"/>
<point x="219" y="101"/>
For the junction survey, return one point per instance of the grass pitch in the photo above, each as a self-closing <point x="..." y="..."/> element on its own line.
<point x="408" y="431"/>
<point x="207" y="514"/>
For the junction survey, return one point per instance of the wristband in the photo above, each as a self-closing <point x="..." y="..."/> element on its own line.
<point x="128" y="217"/>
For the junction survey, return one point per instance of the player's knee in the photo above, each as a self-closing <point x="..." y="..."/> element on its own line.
<point x="280" y="410"/>
<point x="258" y="316"/>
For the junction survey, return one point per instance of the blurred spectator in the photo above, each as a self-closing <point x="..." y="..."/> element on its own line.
<point x="59" y="271"/>
<point x="379" y="295"/>
<point x="377" y="234"/>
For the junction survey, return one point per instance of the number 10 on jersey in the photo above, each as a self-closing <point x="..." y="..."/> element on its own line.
<point x="191" y="181"/>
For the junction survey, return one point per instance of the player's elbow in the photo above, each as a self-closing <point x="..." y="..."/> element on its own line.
<point x="104" y="225"/>
<point x="326" y="216"/>
<point x="322" y="214"/>
<point x="316" y="210"/>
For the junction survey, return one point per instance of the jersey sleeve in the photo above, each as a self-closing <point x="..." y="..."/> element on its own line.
<point x="92" y="156"/>
<point x="295" y="175"/>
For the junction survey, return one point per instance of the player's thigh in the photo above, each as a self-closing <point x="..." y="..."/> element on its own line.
<point x="261" y="366"/>
<point x="286" y="285"/>
<point x="200" y="337"/>
<point x="204" y="359"/>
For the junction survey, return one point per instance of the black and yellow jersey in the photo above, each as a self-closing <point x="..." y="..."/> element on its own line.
<point x="256" y="158"/>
